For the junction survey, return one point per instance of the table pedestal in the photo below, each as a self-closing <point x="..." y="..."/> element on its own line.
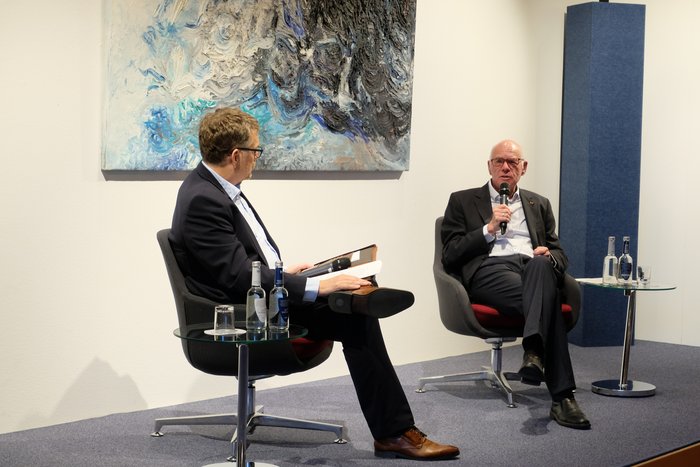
<point x="238" y="455"/>
<point x="612" y="387"/>
<point x="624" y="387"/>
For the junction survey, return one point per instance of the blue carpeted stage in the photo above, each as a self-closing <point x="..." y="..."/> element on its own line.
<point x="472" y="416"/>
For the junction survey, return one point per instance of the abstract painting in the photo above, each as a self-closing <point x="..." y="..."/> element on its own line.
<point x="330" y="81"/>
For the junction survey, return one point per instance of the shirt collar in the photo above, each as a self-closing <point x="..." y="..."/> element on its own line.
<point x="233" y="191"/>
<point x="496" y="197"/>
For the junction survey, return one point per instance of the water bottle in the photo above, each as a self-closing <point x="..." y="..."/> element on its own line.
<point x="610" y="263"/>
<point x="255" y="306"/>
<point x="279" y="303"/>
<point x="625" y="265"/>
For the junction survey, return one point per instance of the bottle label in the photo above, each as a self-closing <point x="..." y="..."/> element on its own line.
<point x="625" y="270"/>
<point x="272" y="311"/>
<point x="284" y="308"/>
<point x="279" y="310"/>
<point x="260" y="309"/>
<point x="610" y="269"/>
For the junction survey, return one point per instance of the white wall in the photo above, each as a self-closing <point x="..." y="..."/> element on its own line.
<point x="87" y="314"/>
<point x="668" y="222"/>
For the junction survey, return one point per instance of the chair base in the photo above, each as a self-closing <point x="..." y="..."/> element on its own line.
<point x="498" y="378"/>
<point x="255" y="418"/>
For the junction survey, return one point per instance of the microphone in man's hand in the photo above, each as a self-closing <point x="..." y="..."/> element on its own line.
<point x="332" y="266"/>
<point x="504" y="192"/>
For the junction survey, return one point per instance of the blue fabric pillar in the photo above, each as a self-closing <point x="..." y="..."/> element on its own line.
<point x="600" y="153"/>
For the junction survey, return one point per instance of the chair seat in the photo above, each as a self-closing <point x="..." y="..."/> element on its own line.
<point x="490" y="317"/>
<point x="306" y="349"/>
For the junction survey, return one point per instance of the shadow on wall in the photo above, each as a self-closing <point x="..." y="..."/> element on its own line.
<point x="97" y="391"/>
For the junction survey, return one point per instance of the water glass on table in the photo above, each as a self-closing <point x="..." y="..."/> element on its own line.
<point x="643" y="275"/>
<point x="224" y="321"/>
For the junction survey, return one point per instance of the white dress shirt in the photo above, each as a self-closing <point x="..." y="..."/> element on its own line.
<point x="516" y="240"/>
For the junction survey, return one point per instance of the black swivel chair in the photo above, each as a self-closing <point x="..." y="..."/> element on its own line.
<point x="265" y="360"/>
<point x="461" y="316"/>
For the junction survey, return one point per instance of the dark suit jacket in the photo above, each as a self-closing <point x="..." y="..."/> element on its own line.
<point x="464" y="246"/>
<point x="215" y="247"/>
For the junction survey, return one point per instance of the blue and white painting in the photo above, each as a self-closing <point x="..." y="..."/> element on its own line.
<point x="330" y="81"/>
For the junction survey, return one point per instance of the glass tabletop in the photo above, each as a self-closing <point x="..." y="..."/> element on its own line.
<point x="598" y="282"/>
<point x="197" y="332"/>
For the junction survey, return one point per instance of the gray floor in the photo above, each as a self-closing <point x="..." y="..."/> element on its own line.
<point x="470" y="415"/>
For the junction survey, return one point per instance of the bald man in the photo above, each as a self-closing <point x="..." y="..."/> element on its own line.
<point x="518" y="271"/>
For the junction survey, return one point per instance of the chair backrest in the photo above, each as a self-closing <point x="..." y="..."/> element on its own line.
<point x="456" y="310"/>
<point x="269" y="358"/>
<point x="191" y="308"/>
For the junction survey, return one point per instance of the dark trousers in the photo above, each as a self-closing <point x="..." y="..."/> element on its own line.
<point x="527" y="286"/>
<point x="382" y="399"/>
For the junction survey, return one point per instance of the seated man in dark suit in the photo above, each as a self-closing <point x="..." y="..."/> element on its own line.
<point x="217" y="234"/>
<point x="516" y="271"/>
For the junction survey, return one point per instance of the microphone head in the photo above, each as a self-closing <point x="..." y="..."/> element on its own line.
<point x="505" y="189"/>
<point x="341" y="263"/>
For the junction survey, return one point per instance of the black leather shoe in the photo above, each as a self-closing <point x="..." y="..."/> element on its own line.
<point x="567" y="413"/>
<point x="377" y="302"/>
<point x="532" y="370"/>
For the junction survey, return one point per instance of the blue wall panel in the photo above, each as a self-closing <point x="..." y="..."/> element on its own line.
<point x="600" y="154"/>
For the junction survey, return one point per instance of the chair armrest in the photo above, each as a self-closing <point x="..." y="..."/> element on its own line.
<point x="455" y="306"/>
<point x="571" y="295"/>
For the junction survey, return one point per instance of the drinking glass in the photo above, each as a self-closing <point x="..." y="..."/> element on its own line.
<point x="643" y="275"/>
<point x="224" y="321"/>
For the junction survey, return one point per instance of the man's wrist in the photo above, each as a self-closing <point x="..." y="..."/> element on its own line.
<point x="488" y="236"/>
<point x="312" y="288"/>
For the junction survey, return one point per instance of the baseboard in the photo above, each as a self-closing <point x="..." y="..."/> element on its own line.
<point x="682" y="457"/>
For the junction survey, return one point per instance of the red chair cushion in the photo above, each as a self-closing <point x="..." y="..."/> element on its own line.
<point x="490" y="317"/>
<point x="306" y="349"/>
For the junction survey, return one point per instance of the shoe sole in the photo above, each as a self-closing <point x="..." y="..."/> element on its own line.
<point x="586" y="426"/>
<point x="381" y="303"/>
<point x="398" y="455"/>
<point x="531" y="376"/>
<point x="530" y="382"/>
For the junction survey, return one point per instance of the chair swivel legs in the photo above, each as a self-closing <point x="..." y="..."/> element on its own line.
<point x="255" y="418"/>
<point x="494" y="374"/>
<point x="218" y="419"/>
<point x="500" y="377"/>
<point x="259" y="418"/>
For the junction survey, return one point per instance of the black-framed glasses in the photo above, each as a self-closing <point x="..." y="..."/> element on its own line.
<point x="499" y="161"/>
<point x="258" y="151"/>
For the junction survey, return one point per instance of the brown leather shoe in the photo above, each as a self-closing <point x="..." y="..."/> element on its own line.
<point x="377" y="302"/>
<point x="413" y="444"/>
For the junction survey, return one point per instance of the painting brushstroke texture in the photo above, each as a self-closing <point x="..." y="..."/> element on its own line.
<point x="330" y="81"/>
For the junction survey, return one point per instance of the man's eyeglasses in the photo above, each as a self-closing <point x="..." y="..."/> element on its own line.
<point x="258" y="151"/>
<point x="499" y="161"/>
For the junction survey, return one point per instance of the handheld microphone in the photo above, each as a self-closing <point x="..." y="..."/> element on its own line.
<point x="335" y="265"/>
<point x="504" y="192"/>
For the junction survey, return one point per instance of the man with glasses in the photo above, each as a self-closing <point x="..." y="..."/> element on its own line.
<point x="509" y="257"/>
<point x="216" y="235"/>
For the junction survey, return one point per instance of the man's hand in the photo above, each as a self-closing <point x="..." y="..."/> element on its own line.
<point x="501" y="213"/>
<point x="340" y="282"/>
<point x="541" y="250"/>
<point x="298" y="268"/>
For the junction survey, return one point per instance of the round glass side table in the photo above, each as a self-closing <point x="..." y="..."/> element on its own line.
<point x="202" y="333"/>
<point x="624" y="387"/>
